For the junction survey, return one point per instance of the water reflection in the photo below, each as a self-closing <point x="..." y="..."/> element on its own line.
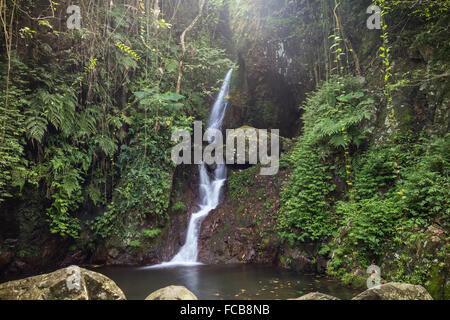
<point x="225" y="282"/>
<point x="191" y="275"/>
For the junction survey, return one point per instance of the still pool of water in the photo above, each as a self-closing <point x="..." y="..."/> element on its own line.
<point x="211" y="282"/>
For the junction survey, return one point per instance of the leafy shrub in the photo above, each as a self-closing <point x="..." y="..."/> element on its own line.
<point x="240" y="181"/>
<point x="64" y="175"/>
<point x="374" y="172"/>
<point x="425" y="188"/>
<point x="333" y="121"/>
<point x="394" y="204"/>
<point x="335" y="114"/>
<point x="305" y="212"/>
<point x="135" y="244"/>
<point x="151" y="233"/>
<point x="369" y="224"/>
<point x="179" y="206"/>
<point x="105" y="225"/>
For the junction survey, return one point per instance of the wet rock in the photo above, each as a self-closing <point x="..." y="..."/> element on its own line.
<point x="211" y="167"/>
<point x="316" y="296"/>
<point x="174" y="235"/>
<point x="5" y="258"/>
<point x="395" y="291"/>
<point x="118" y="252"/>
<point x="7" y="254"/>
<point x="242" y="228"/>
<point x="113" y="253"/>
<point x="435" y="234"/>
<point x="72" y="283"/>
<point x="78" y="257"/>
<point x="20" y="265"/>
<point x="302" y="259"/>
<point x="172" y="293"/>
<point x="442" y="116"/>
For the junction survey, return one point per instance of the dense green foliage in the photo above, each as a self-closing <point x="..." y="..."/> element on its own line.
<point x="333" y="119"/>
<point x="393" y="205"/>
<point x="390" y="189"/>
<point x="370" y="178"/>
<point x="91" y="111"/>
<point x="305" y="213"/>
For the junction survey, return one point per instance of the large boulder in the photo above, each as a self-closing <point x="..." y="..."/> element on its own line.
<point x="316" y="296"/>
<point x="71" y="283"/>
<point x="395" y="291"/>
<point x="252" y="136"/>
<point x="172" y="293"/>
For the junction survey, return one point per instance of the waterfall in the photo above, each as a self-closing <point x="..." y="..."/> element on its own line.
<point x="209" y="188"/>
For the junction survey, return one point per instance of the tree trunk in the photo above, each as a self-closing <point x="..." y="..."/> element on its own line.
<point x="183" y="45"/>
<point x="8" y="33"/>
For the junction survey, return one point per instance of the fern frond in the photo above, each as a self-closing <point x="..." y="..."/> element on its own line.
<point x="35" y="127"/>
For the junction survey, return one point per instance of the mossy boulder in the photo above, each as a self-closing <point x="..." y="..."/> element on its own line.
<point x="252" y="139"/>
<point x="395" y="291"/>
<point x="71" y="283"/>
<point x="172" y="293"/>
<point x="316" y="296"/>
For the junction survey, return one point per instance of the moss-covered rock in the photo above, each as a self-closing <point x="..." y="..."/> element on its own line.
<point x="72" y="283"/>
<point x="172" y="293"/>
<point x="395" y="291"/>
<point x="316" y="296"/>
<point x="439" y="283"/>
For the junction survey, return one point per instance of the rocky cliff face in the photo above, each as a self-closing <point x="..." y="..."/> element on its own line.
<point x="241" y="229"/>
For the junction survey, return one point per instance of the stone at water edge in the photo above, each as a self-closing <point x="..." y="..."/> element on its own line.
<point x="172" y="293"/>
<point x="316" y="296"/>
<point x="71" y="283"/>
<point x="395" y="291"/>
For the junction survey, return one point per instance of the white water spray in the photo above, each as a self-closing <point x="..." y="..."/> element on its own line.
<point x="209" y="189"/>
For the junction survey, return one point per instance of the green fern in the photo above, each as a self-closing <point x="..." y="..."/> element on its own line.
<point x="107" y="145"/>
<point x="36" y="126"/>
<point x="335" y="114"/>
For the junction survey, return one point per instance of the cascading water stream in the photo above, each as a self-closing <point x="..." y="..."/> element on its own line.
<point x="209" y="189"/>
